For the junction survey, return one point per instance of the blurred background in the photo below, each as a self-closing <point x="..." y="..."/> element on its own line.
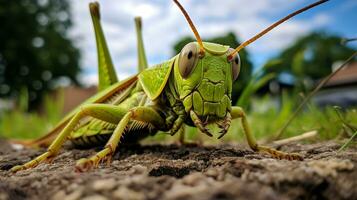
<point x="48" y="61"/>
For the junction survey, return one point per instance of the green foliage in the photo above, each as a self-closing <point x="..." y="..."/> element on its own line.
<point x="253" y="86"/>
<point x="35" y="48"/>
<point x="258" y="80"/>
<point x="20" y="124"/>
<point x="246" y="64"/>
<point x="310" y="57"/>
<point x="348" y="128"/>
<point x="23" y="100"/>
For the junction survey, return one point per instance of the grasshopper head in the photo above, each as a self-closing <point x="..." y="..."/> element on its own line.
<point x="205" y="71"/>
<point x="204" y="81"/>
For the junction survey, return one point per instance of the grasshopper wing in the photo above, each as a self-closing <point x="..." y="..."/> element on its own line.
<point x="154" y="79"/>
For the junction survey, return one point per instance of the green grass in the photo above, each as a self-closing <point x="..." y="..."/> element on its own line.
<point x="325" y="121"/>
<point x="348" y="142"/>
<point x="265" y="117"/>
<point x="20" y="124"/>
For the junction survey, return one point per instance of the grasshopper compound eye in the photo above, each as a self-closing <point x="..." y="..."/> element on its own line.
<point x="235" y="60"/>
<point x="188" y="59"/>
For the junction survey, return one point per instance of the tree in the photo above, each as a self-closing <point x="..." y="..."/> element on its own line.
<point x="310" y="58"/>
<point x="246" y="65"/>
<point x="35" y="48"/>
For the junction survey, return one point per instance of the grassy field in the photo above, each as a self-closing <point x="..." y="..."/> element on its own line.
<point x="265" y="114"/>
<point x="20" y="124"/>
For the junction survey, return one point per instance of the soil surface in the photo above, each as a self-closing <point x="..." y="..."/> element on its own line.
<point x="184" y="172"/>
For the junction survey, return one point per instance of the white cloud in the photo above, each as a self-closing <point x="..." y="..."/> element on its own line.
<point x="88" y="79"/>
<point x="322" y="19"/>
<point x="163" y="24"/>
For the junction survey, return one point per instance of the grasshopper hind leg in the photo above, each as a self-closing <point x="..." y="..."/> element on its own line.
<point x="109" y="113"/>
<point x="106" y="69"/>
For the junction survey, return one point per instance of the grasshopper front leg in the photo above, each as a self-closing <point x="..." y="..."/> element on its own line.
<point x="238" y="112"/>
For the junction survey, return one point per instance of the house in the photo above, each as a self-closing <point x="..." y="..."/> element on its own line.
<point x="341" y="89"/>
<point x="74" y="96"/>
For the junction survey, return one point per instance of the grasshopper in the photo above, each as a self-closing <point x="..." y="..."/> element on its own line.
<point x="192" y="88"/>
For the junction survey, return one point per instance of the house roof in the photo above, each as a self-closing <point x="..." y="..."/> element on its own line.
<point x="346" y="76"/>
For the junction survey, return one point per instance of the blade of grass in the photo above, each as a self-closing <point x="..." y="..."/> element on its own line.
<point x="339" y="114"/>
<point x="308" y="97"/>
<point x="344" y="146"/>
<point x="303" y="136"/>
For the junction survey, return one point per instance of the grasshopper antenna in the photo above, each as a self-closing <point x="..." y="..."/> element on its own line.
<point x="246" y="43"/>
<point x="198" y="38"/>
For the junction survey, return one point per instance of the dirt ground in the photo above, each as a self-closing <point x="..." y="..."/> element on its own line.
<point x="184" y="172"/>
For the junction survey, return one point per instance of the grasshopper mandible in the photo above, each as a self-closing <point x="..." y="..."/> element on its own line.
<point x="193" y="88"/>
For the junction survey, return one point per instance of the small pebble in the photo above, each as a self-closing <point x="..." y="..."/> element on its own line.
<point x="193" y="179"/>
<point x="72" y="187"/>
<point x="74" y="195"/>
<point x="60" y="195"/>
<point x="125" y="193"/>
<point x="95" y="197"/>
<point x="212" y="173"/>
<point x="105" y="184"/>
<point x="4" y="196"/>
<point x="138" y="169"/>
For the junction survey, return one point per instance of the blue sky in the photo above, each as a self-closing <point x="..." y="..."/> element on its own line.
<point x="163" y="25"/>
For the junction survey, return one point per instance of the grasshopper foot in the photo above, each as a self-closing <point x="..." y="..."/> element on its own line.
<point x="84" y="165"/>
<point x="87" y="164"/>
<point x="33" y="163"/>
<point x="199" y="124"/>
<point x="293" y="156"/>
<point x="281" y="155"/>
<point x="224" y="126"/>
<point x="17" y="168"/>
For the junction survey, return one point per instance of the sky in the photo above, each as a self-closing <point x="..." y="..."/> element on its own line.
<point x="164" y="24"/>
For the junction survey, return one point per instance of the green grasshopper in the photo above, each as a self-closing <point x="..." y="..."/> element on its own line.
<point x="193" y="88"/>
